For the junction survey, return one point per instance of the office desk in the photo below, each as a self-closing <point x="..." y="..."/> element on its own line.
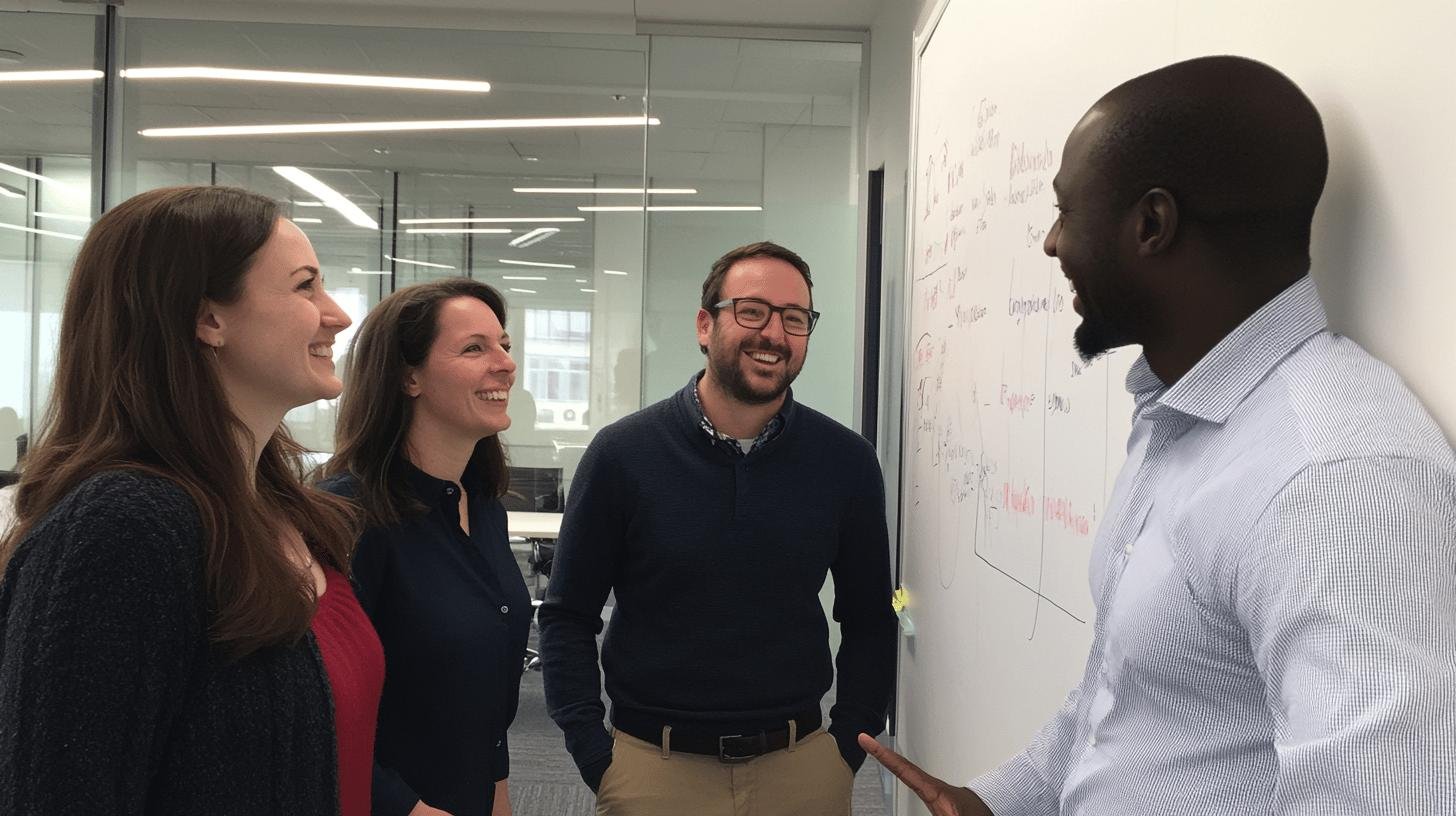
<point x="543" y="526"/>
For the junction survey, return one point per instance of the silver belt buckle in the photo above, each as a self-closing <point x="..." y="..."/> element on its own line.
<point x="724" y="756"/>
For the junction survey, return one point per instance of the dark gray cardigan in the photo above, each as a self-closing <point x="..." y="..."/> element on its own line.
<point x="112" y="700"/>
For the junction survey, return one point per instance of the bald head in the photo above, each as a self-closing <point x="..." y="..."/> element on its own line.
<point x="1238" y="145"/>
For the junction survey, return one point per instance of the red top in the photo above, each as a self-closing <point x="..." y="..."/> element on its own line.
<point x="354" y="661"/>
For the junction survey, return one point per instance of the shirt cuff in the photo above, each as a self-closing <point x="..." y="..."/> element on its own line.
<point x="1016" y="787"/>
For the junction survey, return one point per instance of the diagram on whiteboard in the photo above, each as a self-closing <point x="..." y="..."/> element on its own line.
<point x="1009" y="431"/>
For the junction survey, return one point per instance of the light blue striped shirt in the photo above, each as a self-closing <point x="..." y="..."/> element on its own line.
<point x="1276" y="596"/>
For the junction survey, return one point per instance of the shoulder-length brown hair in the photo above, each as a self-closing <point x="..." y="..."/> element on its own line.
<point x="374" y="411"/>
<point x="135" y="388"/>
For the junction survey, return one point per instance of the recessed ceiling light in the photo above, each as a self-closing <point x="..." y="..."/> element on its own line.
<point x="357" y="271"/>
<point x="608" y="190"/>
<point x="658" y="208"/>
<point x="301" y="220"/>
<point x="571" y="219"/>
<point x="328" y="195"/>
<point x="537" y="263"/>
<point x="21" y="171"/>
<point x="309" y="128"/>
<point x="33" y="230"/>
<point x="308" y="78"/>
<point x="524" y="277"/>
<point x="524" y="291"/>
<point x="459" y="230"/>
<point x="581" y="280"/>
<point x="612" y="272"/>
<point x="534" y="237"/>
<point x="589" y="291"/>
<point x="537" y="158"/>
<point x="419" y="263"/>
<point x="79" y="219"/>
<point x="50" y="76"/>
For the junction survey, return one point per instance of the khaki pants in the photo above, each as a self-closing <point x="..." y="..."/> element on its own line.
<point x="806" y="779"/>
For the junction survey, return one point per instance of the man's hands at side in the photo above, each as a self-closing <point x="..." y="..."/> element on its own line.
<point x="941" y="798"/>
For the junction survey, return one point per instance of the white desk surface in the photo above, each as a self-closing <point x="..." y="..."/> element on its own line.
<point x="533" y="525"/>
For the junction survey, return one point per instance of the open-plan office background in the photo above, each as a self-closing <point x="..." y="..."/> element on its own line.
<point x="641" y="159"/>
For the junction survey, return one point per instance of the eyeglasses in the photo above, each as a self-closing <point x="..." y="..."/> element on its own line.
<point x="752" y="313"/>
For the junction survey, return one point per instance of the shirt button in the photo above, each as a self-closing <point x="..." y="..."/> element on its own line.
<point x="1091" y="742"/>
<point x="449" y="491"/>
<point x="1127" y="548"/>
<point x="505" y="609"/>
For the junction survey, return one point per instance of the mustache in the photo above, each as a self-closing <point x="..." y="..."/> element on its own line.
<point x="763" y="345"/>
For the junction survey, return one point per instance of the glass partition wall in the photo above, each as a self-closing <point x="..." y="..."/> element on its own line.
<point x="592" y="178"/>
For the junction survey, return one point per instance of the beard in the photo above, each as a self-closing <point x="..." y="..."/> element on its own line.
<point x="728" y="366"/>
<point x="1110" y="317"/>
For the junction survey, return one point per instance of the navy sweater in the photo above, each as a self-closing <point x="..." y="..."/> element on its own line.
<point x="717" y="562"/>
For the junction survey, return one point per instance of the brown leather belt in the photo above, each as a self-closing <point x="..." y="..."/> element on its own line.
<point x="726" y="747"/>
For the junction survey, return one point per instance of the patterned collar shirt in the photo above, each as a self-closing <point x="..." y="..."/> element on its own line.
<point x="734" y="446"/>
<point x="1276" y="596"/>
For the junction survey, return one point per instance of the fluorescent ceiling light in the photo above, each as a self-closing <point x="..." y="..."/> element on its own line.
<point x="537" y="263"/>
<point x="329" y="196"/>
<point x="9" y="192"/>
<point x="382" y="127"/>
<point x="609" y="190"/>
<point x="524" y="291"/>
<point x="309" y="204"/>
<point x="49" y="76"/>
<point x="21" y="171"/>
<point x="535" y="236"/>
<point x="590" y="291"/>
<point x="80" y="219"/>
<point x="301" y="220"/>
<point x="357" y="271"/>
<point x="524" y="277"/>
<point x="419" y="263"/>
<point x="456" y="230"/>
<point x="581" y="280"/>
<point x="658" y="208"/>
<point x="612" y="272"/>
<point x="35" y="231"/>
<point x="568" y="220"/>
<point x="308" y="78"/>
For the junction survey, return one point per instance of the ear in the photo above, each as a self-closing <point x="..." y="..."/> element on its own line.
<point x="1157" y="222"/>
<point x="705" y="326"/>
<point x="211" y="329"/>
<point x="412" y="387"/>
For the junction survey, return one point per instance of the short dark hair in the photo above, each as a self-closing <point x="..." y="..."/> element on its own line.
<point x="1237" y="143"/>
<point x="713" y="284"/>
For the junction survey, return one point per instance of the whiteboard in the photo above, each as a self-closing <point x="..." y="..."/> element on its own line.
<point x="1010" y="444"/>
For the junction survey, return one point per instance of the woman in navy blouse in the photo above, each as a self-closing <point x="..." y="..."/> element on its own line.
<point x="418" y="448"/>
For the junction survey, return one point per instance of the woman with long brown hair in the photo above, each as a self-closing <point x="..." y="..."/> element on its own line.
<point x="418" y="447"/>
<point x="176" y="632"/>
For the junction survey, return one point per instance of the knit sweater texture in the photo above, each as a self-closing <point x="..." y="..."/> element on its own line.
<point x="717" y="562"/>
<point x="112" y="699"/>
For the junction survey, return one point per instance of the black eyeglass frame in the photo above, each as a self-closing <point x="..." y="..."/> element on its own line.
<point x="813" y="315"/>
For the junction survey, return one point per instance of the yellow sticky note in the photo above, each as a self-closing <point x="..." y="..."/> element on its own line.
<point x="899" y="600"/>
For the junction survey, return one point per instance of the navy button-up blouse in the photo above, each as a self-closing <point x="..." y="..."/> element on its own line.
<point x="453" y="613"/>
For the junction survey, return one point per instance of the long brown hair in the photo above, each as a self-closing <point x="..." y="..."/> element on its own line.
<point x="134" y="388"/>
<point x="374" y="411"/>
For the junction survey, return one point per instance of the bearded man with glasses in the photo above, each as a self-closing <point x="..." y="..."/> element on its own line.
<point x="715" y="515"/>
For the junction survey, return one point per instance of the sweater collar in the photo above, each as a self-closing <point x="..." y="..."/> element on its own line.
<point x="697" y="424"/>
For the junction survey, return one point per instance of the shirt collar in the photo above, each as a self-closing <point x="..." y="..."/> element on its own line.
<point x="769" y="431"/>
<point x="436" y="492"/>
<point x="1216" y="384"/>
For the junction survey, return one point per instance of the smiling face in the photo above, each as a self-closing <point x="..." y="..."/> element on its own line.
<point x="755" y="366"/>
<point x="274" y="344"/>
<point x="462" y="387"/>
<point x="1085" y="239"/>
